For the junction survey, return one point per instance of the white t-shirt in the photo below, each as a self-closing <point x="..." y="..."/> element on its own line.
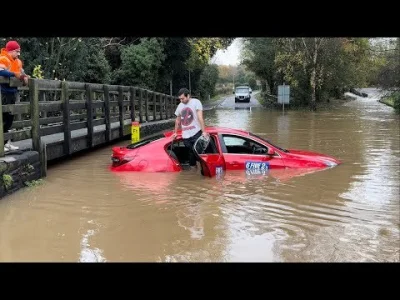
<point x="189" y="120"/>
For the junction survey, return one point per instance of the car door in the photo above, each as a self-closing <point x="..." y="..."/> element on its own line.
<point x="211" y="159"/>
<point x="244" y="153"/>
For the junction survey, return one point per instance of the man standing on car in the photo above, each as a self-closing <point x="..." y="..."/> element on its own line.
<point x="189" y="116"/>
<point x="10" y="66"/>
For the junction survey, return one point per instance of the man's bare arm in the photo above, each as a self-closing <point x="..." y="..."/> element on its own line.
<point x="177" y="125"/>
<point x="201" y="121"/>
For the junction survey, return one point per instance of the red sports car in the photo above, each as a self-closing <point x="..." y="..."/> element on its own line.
<point x="228" y="149"/>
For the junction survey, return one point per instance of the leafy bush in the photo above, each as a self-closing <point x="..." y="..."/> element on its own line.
<point x="396" y="101"/>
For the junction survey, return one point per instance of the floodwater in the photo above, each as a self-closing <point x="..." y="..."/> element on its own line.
<point x="350" y="213"/>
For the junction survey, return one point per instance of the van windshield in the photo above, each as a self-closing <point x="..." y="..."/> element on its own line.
<point x="242" y="90"/>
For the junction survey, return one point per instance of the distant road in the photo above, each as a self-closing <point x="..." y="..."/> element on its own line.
<point x="229" y="102"/>
<point x="373" y="92"/>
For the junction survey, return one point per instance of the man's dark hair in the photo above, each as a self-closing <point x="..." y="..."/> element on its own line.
<point x="184" y="91"/>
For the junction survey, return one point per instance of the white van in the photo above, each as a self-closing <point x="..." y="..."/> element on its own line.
<point x="242" y="93"/>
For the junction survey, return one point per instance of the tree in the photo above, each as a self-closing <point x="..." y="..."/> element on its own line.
<point x="65" y="58"/>
<point x="140" y="64"/>
<point x="389" y="74"/>
<point x="201" y="51"/>
<point x="259" y="57"/>
<point x="208" y="80"/>
<point x="173" y="69"/>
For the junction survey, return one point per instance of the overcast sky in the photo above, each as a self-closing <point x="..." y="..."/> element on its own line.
<point x="230" y="56"/>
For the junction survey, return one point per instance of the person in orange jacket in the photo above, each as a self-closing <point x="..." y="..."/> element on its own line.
<point x="10" y="66"/>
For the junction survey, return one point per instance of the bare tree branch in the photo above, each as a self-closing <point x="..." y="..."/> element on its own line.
<point x="111" y="42"/>
<point x="305" y="47"/>
<point x="77" y="41"/>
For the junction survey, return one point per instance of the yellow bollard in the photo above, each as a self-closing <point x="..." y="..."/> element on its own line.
<point x="135" y="132"/>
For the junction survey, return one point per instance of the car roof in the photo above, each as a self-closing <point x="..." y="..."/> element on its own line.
<point x="216" y="129"/>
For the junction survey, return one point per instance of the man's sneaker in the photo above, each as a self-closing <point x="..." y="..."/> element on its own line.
<point x="6" y="149"/>
<point x="10" y="146"/>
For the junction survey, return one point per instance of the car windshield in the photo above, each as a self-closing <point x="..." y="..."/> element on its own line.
<point x="259" y="137"/>
<point x="242" y="90"/>
<point x="145" y="141"/>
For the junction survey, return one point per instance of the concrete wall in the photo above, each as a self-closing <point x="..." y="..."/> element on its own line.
<point x="17" y="170"/>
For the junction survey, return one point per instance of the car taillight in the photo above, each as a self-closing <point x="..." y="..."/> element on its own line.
<point x="116" y="161"/>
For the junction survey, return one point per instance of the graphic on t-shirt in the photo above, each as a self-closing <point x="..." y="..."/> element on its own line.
<point x="187" y="116"/>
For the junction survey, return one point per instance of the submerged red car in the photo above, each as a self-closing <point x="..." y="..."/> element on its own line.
<point x="228" y="149"/>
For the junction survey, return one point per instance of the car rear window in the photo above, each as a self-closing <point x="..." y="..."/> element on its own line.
<point x="145" y="141"/>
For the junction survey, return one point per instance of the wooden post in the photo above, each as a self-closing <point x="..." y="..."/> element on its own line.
<point x="35" y="112"/>
<point x="166" y="106"/>
<point x="133" y="96"/>
<point x="66" y="118"/>
<point x="140" y="106"/>
<point x="154" y="106"/>
<point x="89" y="115"/>
<point x="146" y="99"/>
<point x="162" y="106"/>
<point x="121" y="111"/>
<point x="171" y="106"/>
<point x="107" y="112"/>
<point x="43" y="159"/>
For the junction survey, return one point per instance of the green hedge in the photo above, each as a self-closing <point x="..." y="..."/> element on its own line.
<point x="393" y="100"/>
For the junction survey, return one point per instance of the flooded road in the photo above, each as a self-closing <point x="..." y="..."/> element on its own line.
<point x="229" y="102"/>
<point x="82" y="212"/>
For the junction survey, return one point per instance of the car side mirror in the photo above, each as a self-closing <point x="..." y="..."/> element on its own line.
<point x="259" y="150"/>
<point x="271" y="151"/>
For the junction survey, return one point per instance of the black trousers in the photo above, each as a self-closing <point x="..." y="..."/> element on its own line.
<point x="189" y="143"/>
<point x="8" y="118"/>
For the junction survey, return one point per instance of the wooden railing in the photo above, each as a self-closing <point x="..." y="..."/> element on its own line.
<point x="47" y="107"/>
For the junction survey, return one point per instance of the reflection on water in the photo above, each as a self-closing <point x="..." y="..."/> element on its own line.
<point x="243" y="108"/>
<point x="229" y="118"/>
<point x="85" y="213"/>
<point x="89" y="254"/>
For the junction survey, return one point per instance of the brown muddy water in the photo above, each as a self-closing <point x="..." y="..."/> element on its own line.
<point x="84" y="213"/>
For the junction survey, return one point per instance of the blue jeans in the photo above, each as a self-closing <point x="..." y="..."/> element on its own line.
<point x="8" y="118"/>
